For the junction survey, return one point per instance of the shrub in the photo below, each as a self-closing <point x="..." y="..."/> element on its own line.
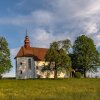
<point x="77" y="75"/>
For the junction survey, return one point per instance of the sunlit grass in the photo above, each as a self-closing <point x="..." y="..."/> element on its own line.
<point x="49" y="89"/>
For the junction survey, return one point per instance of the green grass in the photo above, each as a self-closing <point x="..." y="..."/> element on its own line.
<point x="49" y="89"/>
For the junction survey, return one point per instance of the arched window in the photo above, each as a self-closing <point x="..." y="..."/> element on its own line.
<point x="21" y="72"/>
<point x="29" y="63"/>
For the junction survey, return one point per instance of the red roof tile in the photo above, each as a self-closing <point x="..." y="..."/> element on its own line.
<point x="36" y="53"/>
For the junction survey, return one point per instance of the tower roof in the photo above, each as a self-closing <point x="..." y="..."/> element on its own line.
<point x="26" y="41"/>
<point x="26" y="51"/>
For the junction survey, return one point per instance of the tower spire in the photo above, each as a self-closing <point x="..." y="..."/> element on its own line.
<point x="26" y="41"/>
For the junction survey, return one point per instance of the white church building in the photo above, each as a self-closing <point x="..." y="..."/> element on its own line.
<point x="30" y="60"/>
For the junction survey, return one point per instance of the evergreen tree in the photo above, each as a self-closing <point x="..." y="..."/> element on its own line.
<point x="5" y="63"/>
<point x="85" y="55"/>
<point x="58" y="54"/>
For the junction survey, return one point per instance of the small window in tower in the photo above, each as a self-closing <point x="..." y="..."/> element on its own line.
<point x="29" y="63"/>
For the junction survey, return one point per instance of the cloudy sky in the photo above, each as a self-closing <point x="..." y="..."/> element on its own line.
<point x="47" y="21"/>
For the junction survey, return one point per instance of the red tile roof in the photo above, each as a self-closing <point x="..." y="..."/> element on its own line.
<point x="37" y="53"/>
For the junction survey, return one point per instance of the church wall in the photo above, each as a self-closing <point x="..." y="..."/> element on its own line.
<point x="38" y="66"/>
<point x="46" y="74"/>
<point x="24" y="72"/>
<point x="25" y="68"/>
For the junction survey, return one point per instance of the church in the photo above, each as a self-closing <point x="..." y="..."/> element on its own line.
<point x="30" y="61"/>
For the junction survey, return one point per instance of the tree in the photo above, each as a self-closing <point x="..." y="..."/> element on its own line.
<point x="85" y="55"/>
<point x="58" y="55"/>
<point x="5" y="63"/>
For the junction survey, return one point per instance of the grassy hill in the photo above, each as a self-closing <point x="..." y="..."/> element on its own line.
<point x="49" y="89"/>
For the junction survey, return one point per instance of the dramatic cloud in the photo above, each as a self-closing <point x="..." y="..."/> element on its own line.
<point x="79" y="17"/>
<point x="37" y="18"/>
<point x="60" y="18"/>
<point x="70" y="18"/>
<point x="43" y="38"/>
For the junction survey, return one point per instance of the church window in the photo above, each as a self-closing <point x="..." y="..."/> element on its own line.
<point x="21" y="63"/>
<point x="29" y="63"/>
<point x="21" y="72"/>
<point x="37" y="67"/>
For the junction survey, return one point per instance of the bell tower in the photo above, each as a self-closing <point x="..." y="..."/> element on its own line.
<point x="26" y="41"/>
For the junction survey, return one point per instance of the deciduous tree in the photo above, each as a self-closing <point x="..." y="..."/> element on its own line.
<point x="5" y="62"/>
<point x="58" y="54"/>
<point x="85" y="54"/>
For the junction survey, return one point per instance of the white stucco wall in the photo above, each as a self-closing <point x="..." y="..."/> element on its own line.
<point x="46" y="74"/>
<point x="34" y="72"/>
<point x="23" y="70"/>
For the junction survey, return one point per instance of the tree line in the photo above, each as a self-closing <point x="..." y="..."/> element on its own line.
<point x="84" y="56"/>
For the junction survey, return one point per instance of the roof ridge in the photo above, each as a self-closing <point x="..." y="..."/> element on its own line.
<point x="35" y="52"/>
<point x="39" y="48"/>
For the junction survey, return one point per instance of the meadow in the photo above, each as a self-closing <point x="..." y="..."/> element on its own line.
<point x="50" y="89"/>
